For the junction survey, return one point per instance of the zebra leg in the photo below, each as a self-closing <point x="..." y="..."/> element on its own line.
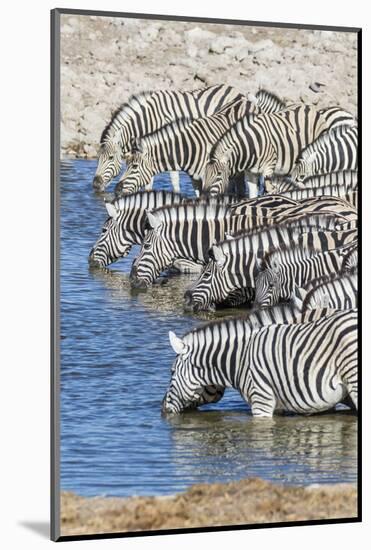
<point x="175" y="181"/>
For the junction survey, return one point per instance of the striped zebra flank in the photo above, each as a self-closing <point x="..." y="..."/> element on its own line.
<point x="234" y="263"/>
<point x="283" y="269"/>
<point x="346" y="178"/>
<point x="336" y="291"/>
<point x="145" y="113"/>
<point x="304" y="368"/>
<point x="268" y="144"/>
<point x="334" y="151"/>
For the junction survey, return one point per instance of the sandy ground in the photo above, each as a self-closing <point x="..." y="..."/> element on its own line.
<point x="248" y="501"/>
<point x="105" y="60"/>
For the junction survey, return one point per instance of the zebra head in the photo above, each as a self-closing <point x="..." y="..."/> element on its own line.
<point x="216" y="177"/>
<point x="190" y="385"/>
<point x="213" y="285"/>
<point x="268" y="286"/>
<point x="139" y="172"/>
<point x="156" y="254"/>
<point x="115" y="240"/>
<point x="110" y="157"/>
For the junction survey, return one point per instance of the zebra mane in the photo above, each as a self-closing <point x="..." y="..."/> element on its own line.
<point x="319" y="222"/>
<point x="132" y="200"/>
<point x="264" y="94"/>
<point x="192" y="211"/>
<point x="123" y="112"/>
<point x="325" y="140"/>
<point x="165" y="132"/>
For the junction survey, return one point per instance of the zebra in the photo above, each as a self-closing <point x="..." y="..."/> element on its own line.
<point x="183" y="144"/>
<point x="334" y="151"/>
<point x="283" y="269"/>
<point x="336" y="291"/>
<point x="185" y="232"/>
<point x="346" y="178"/>
<point x="234" y="263"/>
<point x="303" y="368"/>
<point x="268" y="144"/>
<point x="125" y="226"/>
<point x="343" y="192"/>
<point x="145" y="113"/>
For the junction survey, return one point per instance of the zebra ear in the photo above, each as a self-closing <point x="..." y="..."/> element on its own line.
<point x="112" y="210"/>
<point x="176" y="343"/>
<point x="153" y="221"/>
<point x="218" y="255"/>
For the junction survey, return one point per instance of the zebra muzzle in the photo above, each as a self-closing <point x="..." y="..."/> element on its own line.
<point x="93" y="262"/>
<point x="98" y="183"/>
<point x="189" y="305"/>
<point x="135" y="280"/>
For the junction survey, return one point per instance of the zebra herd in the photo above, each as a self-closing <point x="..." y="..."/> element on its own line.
<point x="273" y="228"/>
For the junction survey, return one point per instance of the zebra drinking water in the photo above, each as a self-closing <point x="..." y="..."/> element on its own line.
<point x="125" y="226"/>
<point x="305" y="368"/>
<point x="268" y="144"/>
<point x="234" y="263"/>
<point x="185" y="232"/>
<point x="145" y="113"/>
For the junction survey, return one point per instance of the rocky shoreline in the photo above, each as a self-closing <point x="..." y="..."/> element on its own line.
<point x="105" y="60"/>
<point x="248" y="501"/>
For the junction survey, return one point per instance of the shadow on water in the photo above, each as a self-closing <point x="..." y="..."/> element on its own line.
<point x="115" y="368"/>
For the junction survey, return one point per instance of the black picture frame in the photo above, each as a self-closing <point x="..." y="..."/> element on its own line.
<point x="55" y="250"/>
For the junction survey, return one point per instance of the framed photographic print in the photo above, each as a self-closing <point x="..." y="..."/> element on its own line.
<point x="205" y="274"/>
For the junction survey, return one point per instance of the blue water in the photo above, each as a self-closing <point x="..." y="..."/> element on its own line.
<point x="115" y="367"/>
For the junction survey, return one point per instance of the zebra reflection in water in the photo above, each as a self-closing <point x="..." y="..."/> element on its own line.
<point x="301" y="450"/>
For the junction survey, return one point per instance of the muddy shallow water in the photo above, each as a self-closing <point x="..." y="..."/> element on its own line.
<point x="115" y="367"/>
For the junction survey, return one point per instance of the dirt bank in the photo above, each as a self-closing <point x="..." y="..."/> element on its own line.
<point x="104" y="60"/>
<point x="242" y="502"/>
